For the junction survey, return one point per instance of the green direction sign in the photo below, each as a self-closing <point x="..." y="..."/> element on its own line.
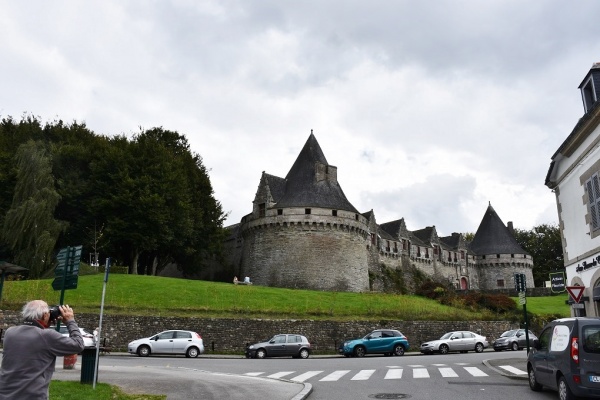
<point x="66" y="272"/>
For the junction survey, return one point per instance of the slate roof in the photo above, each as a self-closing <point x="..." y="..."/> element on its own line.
<point x="302" y="188"/>
<point x="493" y="237"/>
<point x="276" y="185"/>
<point x="392" y="227"/>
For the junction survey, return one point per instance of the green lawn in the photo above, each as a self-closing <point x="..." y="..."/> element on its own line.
<point x="548" y="305"/>
<point x="68" y="390"/>
<point x="150" y="295"/>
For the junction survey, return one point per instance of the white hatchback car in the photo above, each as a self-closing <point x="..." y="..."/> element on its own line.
<point x="168" y="342"/>
<point x="462" y="341"/>
<point x="88" y="338"/>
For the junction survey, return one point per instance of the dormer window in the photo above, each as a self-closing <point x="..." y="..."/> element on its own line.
<point x="590" y="88"/>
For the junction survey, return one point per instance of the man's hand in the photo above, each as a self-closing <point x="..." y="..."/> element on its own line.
<point x="66" y="313"/>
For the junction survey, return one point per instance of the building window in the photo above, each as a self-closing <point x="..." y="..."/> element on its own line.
<point x="387" y="245"/>
<point x="395" y="247"/>
<point x="426" y="252"/>
<point x="261" y="210"/>
<point x="500" y="282"/>
<point x="373" y="238"/>
<point x="593" y="189"/>
<point x="462" y="254"/>
<point x="307" y="211"/>
<point x="497" y="255"/>
<point x="334" y="213"/>
<point x="512" y="256"/>
<point x="356" y="217"/>
<point x="404" y="244"/>
<point x="280" y="211"/>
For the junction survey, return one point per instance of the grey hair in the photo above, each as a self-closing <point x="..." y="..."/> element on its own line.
<point x="35" y="309"/>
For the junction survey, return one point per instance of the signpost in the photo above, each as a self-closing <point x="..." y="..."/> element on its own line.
<point x="557" y="282"/>
<point x="576" y="292"/>
<point x="521" y="288"/>
<point x="66" y="272"/>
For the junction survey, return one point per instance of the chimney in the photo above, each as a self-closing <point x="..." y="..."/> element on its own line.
<point x="509" y="225"/>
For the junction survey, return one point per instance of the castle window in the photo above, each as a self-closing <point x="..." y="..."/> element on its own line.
<point x="387" y="245"/>
<point x="280" y="211"/>
<point x="395" y="247"/>
<point x="497" y="255"/>
<point x="356" y="217"/>
<point x="462" y="254"/>
<point x="334" y="213"/>
<point x="404" y="244"/>
<point x="373" y="241"/>
<point x="512" y="256"/>
<point x="261" y="210"/>
<point x="426" y="253"/>
<point x="307" y="211"/>
<point x="500" y="283"/>
<point x="483" y="257"/>
<point x="435" y="250"/>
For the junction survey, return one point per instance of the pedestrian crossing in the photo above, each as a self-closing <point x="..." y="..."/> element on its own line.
<point x="458" y="370"/>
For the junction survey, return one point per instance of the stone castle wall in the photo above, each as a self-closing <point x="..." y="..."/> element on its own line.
<point x="222" y="335"/>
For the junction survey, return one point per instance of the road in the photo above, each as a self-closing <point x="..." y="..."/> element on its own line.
<point x="413" y="376"/>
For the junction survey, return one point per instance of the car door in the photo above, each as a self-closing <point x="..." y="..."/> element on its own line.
<point x="521" y="338"/>
<point x="455" y="343"/>
<point x="277" y="346"/>
<point x="468" y="341"/>
<point x="292" y="346"/>
<point x="181" y="340"/>
<point x="373" y="343"/>
<point x="387" y="341"/>
<point x="163" y="342"/>
<point x="539" y="359"/>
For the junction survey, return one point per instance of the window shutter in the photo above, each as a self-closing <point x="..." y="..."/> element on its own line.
<point x="596" y="185"/>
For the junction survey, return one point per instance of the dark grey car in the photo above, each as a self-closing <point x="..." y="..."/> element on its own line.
<point x="283" y="345"/>
<point x="566" y="358"/>
<point x="515" y="339"/>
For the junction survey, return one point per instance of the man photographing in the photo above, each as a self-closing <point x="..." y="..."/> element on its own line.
<point x="30" y="351"/>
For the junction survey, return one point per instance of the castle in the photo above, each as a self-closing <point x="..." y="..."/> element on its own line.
<point x="304" y="233"/>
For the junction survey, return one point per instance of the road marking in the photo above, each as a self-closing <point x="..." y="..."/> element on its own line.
<point x="420" y="373"/>
<point x="439" y="365"/>
<point x="475" y="371"/>
<point x="394" y="374"/>
<point x="334" y="376"/>
<point x="448" y="373"/>
<point x="416" y="366"/>
<point x="280" y="374"/>
<point x="254" y="373"/>
<point x="513" y="370"/>
<point x="363" y="375"/>
<point x="305" y="376"/>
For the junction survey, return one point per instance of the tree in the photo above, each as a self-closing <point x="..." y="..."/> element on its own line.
<point x="544" y="244"/>
<point x="29" y="226"/>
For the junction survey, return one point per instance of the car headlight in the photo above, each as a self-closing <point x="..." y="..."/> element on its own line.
<point x="251" y="347"/>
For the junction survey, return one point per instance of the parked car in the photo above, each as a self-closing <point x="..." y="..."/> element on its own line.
<point x="168" y="342"/>
<point x="515" y="339"/>
<point x="382" y="341"/>
<point x="282" y="345"/>
<point x="462" y="341"/>
<point x="88" y="338"/>
<point x="566" y="357"/>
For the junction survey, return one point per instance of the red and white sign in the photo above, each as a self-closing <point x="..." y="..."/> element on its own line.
<point x="575" y="292"/>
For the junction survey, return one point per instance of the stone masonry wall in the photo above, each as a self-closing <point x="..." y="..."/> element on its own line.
<point x="231" y="335"/>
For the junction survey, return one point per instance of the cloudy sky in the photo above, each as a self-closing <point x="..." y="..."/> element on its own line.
<point x="429" y="109"/>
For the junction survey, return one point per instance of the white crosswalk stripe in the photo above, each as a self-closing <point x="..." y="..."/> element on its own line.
<point x="280" y="374"/>
<point x="514" y="370"/>
<point x="305" y="376"/>
<point x="475" y="371"/>
<point x="420" y="373"/>
<point x="334" y="376"/>
<point x="254" y="373"/>
<point x="448" y="372"/>
<point x="394" y="374"/>
<point x="363" y="375"/>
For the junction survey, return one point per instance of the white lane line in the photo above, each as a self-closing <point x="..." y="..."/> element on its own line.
<point x="514" y="370"/>
<point x="254" y="373"/>
<point x="420" y="373"/>
<point x="363" y="375"/>
<point x="305" y="376"/>
<point x="334" y="376"/>
<point x="280" y="374"/>
<point x="475" y="371"/>
<point x="448" y="373"/>
<point x="394" y="374"/>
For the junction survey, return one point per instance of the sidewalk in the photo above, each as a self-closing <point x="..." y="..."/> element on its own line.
<point x="515" y="368"/>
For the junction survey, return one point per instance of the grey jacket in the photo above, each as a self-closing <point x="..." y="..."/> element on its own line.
<point x="29" y="356"/>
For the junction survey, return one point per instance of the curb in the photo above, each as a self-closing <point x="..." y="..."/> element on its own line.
<point x="504" y="372"/>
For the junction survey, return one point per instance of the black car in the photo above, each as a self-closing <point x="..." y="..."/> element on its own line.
<point x="283" y="345"/>
<point x="515" y="339"/>
<point x="566" y="358"/>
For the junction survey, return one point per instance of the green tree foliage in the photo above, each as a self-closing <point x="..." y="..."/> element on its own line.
<point x="544" y="244"/>
<point x="30" y="228"/>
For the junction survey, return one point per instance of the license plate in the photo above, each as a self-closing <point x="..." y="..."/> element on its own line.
<point x="595" y="379"/>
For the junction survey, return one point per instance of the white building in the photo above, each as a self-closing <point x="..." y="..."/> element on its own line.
<point x="574" y="177"/>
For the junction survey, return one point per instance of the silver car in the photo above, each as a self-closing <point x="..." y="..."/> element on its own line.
<point x="88" y="338"/>
<point x="462" y="341"/>
<point x="168" y="342"/>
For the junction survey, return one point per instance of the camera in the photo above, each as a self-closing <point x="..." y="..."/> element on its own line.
<point x="54" y="313"/>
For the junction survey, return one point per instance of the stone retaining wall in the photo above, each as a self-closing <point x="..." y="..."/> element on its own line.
<point x="231" y="335"/>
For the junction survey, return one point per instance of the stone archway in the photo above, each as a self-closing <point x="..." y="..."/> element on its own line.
<point x="464" y="283"/>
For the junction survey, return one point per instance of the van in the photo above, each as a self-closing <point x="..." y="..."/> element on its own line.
<point x="566" y="358"/>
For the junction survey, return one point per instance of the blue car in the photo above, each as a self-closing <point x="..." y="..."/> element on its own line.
<point x="381" y="341"/>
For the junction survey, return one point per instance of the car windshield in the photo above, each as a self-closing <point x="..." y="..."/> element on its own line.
<point x="508" y="333"/>
<point x="447" y="335"/>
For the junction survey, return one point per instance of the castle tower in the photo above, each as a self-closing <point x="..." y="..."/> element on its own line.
<point x="303" y="232"/>
<point x="497" y="254"/>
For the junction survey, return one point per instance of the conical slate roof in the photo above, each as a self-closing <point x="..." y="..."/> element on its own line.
<point x="493" y="237"/>
<point x="302" y="188"/>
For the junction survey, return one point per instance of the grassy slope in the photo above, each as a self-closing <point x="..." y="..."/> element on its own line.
<point x="149" y="295"/>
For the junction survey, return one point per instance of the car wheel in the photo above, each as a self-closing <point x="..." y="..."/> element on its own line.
<point x="192" y="352"/>
<point x="479" y="348"/>
<point x="359" y="351"/>
<point x="444" y="349"/>
<point x="261" y="353"/>
<point x="143" y="351"/>
<point x="304" y="353"/>
<point x="399" y="350"/>
<point x="514" y="346"/>
<point x="533" y="383"/>
<point x="564" y="392"/>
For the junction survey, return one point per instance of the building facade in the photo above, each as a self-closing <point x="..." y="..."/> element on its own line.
<point x="574" y="177"/>
<point x="304" y="233"/>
